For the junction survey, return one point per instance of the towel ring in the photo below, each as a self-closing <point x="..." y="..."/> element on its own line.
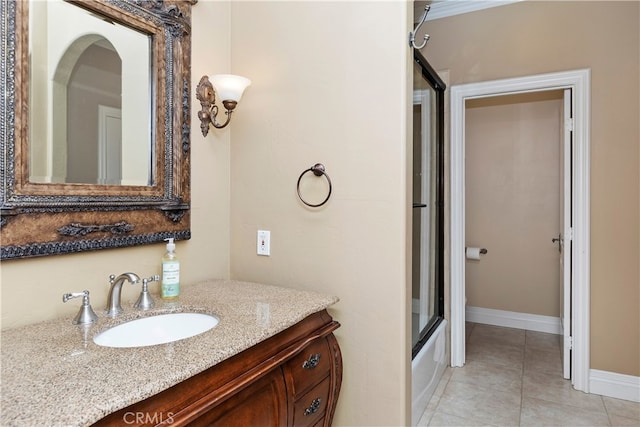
<point x="318" y="170"/>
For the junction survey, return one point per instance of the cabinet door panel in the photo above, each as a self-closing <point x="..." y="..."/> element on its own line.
<point x="263" y="404"/>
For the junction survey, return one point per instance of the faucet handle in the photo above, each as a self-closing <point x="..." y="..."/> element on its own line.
<point x="86" y="315"/>
<point x="67" y="297"/>
<point x="145" y="302"/>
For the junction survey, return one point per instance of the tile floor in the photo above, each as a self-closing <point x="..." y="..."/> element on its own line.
<point x="513" y="377"/>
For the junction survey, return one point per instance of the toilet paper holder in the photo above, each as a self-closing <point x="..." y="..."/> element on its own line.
<point x="483" y="251"/>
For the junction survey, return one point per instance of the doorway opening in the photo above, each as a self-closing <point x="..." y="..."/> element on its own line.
<point x="515" y="210"/>
<point x="577" y="85"/>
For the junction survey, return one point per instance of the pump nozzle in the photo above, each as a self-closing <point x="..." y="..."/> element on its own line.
<point x="170" y="246"/>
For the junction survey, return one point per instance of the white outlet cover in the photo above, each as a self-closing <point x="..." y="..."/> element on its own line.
<point x="264" y="243"/>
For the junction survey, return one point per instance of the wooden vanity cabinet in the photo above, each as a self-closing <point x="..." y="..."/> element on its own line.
<point x="290" y="379"/>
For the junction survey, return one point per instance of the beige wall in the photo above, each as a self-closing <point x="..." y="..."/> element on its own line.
<point x="331" y="86"/>
<point x="331" y="83"/>
<point x="336" y="94"/>
<point x="537" y="37"/>
<point x="512" y="202"/>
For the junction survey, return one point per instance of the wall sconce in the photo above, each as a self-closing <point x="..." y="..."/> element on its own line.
<point x="229" y="88"/>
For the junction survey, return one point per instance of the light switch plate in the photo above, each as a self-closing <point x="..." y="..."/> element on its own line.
<point x="264" y="242"/>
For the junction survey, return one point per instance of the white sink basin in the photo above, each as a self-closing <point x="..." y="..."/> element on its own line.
<point x="158" y="329"/>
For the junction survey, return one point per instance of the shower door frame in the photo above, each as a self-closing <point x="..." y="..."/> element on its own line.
<point x="423" y="98"/>
<point x="439" y="87"/>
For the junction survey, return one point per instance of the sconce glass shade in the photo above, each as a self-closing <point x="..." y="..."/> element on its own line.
<point x="229" y="87"/>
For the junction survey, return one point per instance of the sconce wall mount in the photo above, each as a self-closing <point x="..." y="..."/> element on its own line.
<point x="229" y="88"/>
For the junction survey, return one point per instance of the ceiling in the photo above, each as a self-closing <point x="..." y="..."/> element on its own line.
<point x="443" y="8"/>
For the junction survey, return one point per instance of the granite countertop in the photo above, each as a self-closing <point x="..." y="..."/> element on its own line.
<point x="54" y="374"/>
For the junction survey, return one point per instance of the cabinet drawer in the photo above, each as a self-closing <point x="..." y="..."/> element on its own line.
<point x="310" y="366"/>
<point x="311" y="407"/>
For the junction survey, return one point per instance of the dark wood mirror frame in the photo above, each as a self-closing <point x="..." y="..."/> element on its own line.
<point x="48" y="219"/>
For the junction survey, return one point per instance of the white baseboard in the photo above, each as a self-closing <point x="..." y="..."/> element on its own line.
<point x="511" y="319"/>
<point x="615" y="385"/>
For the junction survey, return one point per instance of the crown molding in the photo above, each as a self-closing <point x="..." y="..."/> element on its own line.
<point x="444" y="8"/>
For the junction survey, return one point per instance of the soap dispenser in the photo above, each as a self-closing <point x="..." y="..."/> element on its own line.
<point x="170" y="272"/>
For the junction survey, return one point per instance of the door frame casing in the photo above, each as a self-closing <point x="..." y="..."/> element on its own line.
<point x="579" y="81"/>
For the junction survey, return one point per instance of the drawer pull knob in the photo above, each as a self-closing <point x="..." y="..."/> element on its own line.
<point x="312" y="362"/>
<point x="315" y="405"/>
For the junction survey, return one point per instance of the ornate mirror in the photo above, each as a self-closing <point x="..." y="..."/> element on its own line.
<point x="95" y="124"/>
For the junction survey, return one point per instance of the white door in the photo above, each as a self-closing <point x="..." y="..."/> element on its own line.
<point x="565" y="237"/>
<point x="109" y="145"/>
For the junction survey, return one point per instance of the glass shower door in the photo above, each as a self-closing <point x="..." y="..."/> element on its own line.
<point x="427" y="206"/>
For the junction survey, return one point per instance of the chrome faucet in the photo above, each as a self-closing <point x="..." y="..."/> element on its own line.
<point x="114" y="308"/>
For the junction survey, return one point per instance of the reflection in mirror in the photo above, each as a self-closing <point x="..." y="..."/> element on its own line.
<point x="89" y="100"/>
<point x="66" y="63"/>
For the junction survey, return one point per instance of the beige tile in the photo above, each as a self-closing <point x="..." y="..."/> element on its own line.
<point x="536" y="412"/>
<point x="435" y="398"/>
<point x="549" y="362"/>
<point x="488" y="352"/>
<point x="446" y="376"/>
<point x="424" y="420"/>
<point x="497" y="335"/>
<point x="622" y="421"/>
<point x="622" y="408"/>
<point x="428" y="413"/>
<point x="554" y="388"/>
<point x="514" y="377"/>
<point x="493" y="377"/>
<point x="440" y="419"/>
<point x="543" y="341"/>
<point x="480" y="404"/>
<point x="468" y="329"/>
